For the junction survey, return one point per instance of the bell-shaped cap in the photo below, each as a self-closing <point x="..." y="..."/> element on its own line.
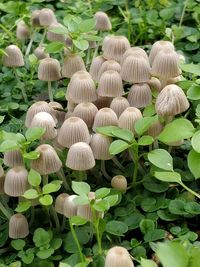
<point x="135" y="69"/>
<point x="119" y="104"/>
<point x="40" y="106"/>
<point x="80" y="157"/>
<point x="46" y="121"/>
<point x="48" y="161"/>
<point x="96" y="66"/>
<point x="22" y="31"/>
<point x="18" y="226"/>
<point x="173" y="80"/>
<point x="114" y="47"/>
<point x="139" y="95"/>
<point x="110" y="84"/>
<point x="59" y="114"/>
<point x="2" y="179"/>
<point x="118" y="256"/>
<point x="16" y="181"/>
<point x="100" y="146"/>
<point x="109" y="65"/>
<point x="87" y="112"/>
<point x="46" y="17"/>
<point x="102" y="21"/>
<point x="155" y="83"/>
<point x="72" y="131"/>
<point x="105" y="117"/>
<point x="81" y="88"/>
<point x="13" y="158"/>
<point x="40" y="53"/>
<point x="129" y="117"/>
<point x="157" y="47"/>
<point x="135" y="51"/>
<point x="70" y="208"/>
<point x="35" y="18"/>
<point x="103" y="102"/>
<point x="55" y="37"/>
<point x="13" y="57"/>
<point x="119" y="182"/>
<point x="59" y="203"/>
<point x="72" y="64"/>
<point x="171" y="101"/>
<point x="166" y="64"/>
<point x="49" y="70"/>
<point x="155" y="129"/>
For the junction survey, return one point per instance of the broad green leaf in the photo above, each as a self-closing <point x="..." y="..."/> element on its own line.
<point x="193" y="160"/>
<point x="81" y="44"/>
<point x="117" y="147"/>
<point x="62" y="264"/>
<point x="177" y="207"/>
<point x="81" y="200"/>
<point x="124" y="134"/>
<point x="146" y="225"/>
<point x="31" y="194"/>
<point x="54" y="47"/>
<point x="45" y="254"/>
<point x="56" y="243"/>
<point x="80" y="188"/>
<point x="191" y="68"/>
<point x="107" y="130"/>
<point x="18" y="244"/>
<point x="154" y="235"/>
<point x="23" y="206"/>
<point x="101" y="205"/>
<point x="194" y="256"/>
<point x="34" y="133"/>
<point x="170" y="177"/>
<point x="145" y="140"/>
<point x="60" y="30"/>
<point x="116" y="228"/>
<point x="161" y="159"/>
<point x="143" y="124"/>
<point x="176" y="130"/>
<point x="90" y="37"/>
<point x="102" y="192"/>
<point x="112" y="200"/>
<point x="78" y="220"/>
<point x="193" y="92"/>
<point x="192" y="207"/>
<point x="149" y="111"/>
<point x="73" y="26"/>
<point x="196" y="141"/>
<point x="32" y="155"/>
<point x="1" y="119"/>
<point x="46" y="200"/>
<point x="41" y="237"/>
<point x="8" y="145"/>
<point x="87" y="25"/>
<point x="54" y="186"/>
<point x="34" y="178"/>
<point x="148" y="263"/>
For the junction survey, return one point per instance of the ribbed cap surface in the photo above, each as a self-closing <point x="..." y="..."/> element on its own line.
<point x="139" y="95"/>
<point x="18" y="226"/>
<point x="129" y="117"/>
<point x="49" y="70"/>
<point x="119" y="104"/>
<point x="118" y="256"/>
<point x="100" y="146"/>
<point x="102" y="21"/>
<point x="104" y="117"/>
<point x="87" y="112"/>
<point x="72" y="64"/>
<point x="95" y="67"/>
<point x="13" y="57"/>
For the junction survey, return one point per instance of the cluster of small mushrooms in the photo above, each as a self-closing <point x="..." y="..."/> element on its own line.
<point x="113" y="91"/>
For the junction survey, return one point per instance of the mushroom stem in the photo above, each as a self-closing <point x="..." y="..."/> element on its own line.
<point x="30" y="44"/>
<point x="55" y="217"/>
<point x="43" y="37"/>
<point x="21" y="87"/>
<point x="50" y="91"/>
<point x="63" y="223"/>
<point x="63" y="179"/>
<point x="103" y="170"/>
<point x="45" y="179"/>
<point x="117" y="163"/>
<point x="88" y="56"/>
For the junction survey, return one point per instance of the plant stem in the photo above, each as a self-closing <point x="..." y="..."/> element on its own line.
<point x="32" y="216"/>
<point x="63" y="223"/>
<point x="136" y="163"/>
<point x="30" y="44"/>
<point x="45" y="179"/>
<point x="88" y="57"/>
<point x="183" y="13"/>
<point x="5" y="211"/>
<point x="21" y="87"/>
<point x="55" y="216"/>
<point x="103" y="170"/>
<point x="189" y="190"/>
<point x="117" y="163"/>
<point x="50" y="91"/>
<point x="76" y="241"/>
<point x="97" y="47"/>
<point x="63" y="179"/>
<point x="43" y="37"/>
<point x="96" y="226"/>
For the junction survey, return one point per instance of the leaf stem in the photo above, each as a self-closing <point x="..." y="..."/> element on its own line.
<point x="189" y="190"/>
<point x="5" y="211"/>
<point x="183" y="13"/>
<point x="96" y="226"/>
<point x="136" y="163"/>
<point x="21" y="87"/>
<point x="55" y="216"/>
<point x="43" y="37"/>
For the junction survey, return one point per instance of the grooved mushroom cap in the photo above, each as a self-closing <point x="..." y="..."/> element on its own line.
<point x="49" y="70"/>
<point x="18" y="226"/>
<point x="135" y="69"/>
<point x="171" y="101"/>
<point x="139" y="95"/>
<point x="155" y="129"/>
<point x="39" y="52"/>
<point x="48" y="161"/>
<point x="119" y="182"/>
<point x="173" y="80"/>
<point x="16" y="181"/>
<point x="35" y="18"/>
<point x="105" y="117"/>
<point x="59" y="203"/>
<point x="46" y="121"/>
<point x="95" y="67"/>
<point x="157" y="47"/>
<point x="87" y="112"/>
<point x="81" y="88"/>
<point x="155" y="83"/>
<point x="100" y="146"/>
<point x="13" y="158"/>
<point x="135" y="51"/>
<point x="110" y="84"/>
<point x="72" y="64"/>
<point x="13" y="57"/>
<point x="166" y="64"/>
<point x="57" y="37"/>
<point x="109" y="65"/>
<point x="119" y="104"/>
<point x="80" y="157"/>
<point x="46" y="17"/>
<point x="40" y="106"/>
<point x="70" y="208"/>
<point x="102" y="21"/>
<point x="118" y="256"/>
<point x="114" y="47"/>
<point x="2" y="179"/>
<point x="103" y="102"/>
<point x="22" y="31"/>
<point x="129" y="117"/>
<point x="1" y="171"/>
<point x="59" y="114"/>
<point x="72" y="131"/>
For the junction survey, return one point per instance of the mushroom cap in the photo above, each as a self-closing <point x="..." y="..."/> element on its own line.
<point x="95" y="67"/>
<point x="109" y="65"/>
<point x="13" y="57"/>
<point x="22" y="31"/>
<point x="132" y="51"/>
<point x="103" y="102"/>
<point x="119" y="182"/>
<point x="129" y="117"/>
<point x="139" y="95"/>
<point x="87" y="112"/>
<point x="105" y="117"/>
<point x="13" y="158"/>
<point x="119" y="104"/>
<point x="59" y="114"/>
<point x="49" y="70"/>
<point x="72" y="64"/>
<point x="157" y="47"/>
<point x="52" y="36"/>
<point x="18" y="226"/>
<point x="155" y="83"/>
<point x="70" y="208"/>
<point x="59" y="203"/>
<point x="35" y="18"/>
<point x="100" y="146"/>
<point x="118" y="256"/>
<point x="102" y="21"/>
<point x="39" y="52"/>
<point x="155" y="129"/>
<point x="46" y="17"/>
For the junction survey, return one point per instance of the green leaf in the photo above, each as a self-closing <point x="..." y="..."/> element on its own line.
<point x="116" y="228"/>
<point x="143" y="124"/>
<point x="41" y="238"/>
<point x="154" y="235"/>
<point x="34" y="133"/>
<point x="8" y="145"/>
<point x="34" y="178"/>
<point x="107" y="130"/>
<point x="146" y="225"/>
<point x="60" y="30"/>
<point x="148" y="263"/>
<point x="196" y="141"/>
<point x="124" y="134"/>
<point x="32" y="155"/>
<point x="102" y="192"/>
<point x="87" y="25"/>
<point x="28" y="258"/>
<point x="31" y="194"/>
<point x="78" y="220"/>
<point x="149" y="111"/>
<point x="54" y="186"/>
<point x="18" y="244"/>
<point x="170" y="177"/>
<point x="192" y="207"/>
<point x="23" y="206"/>
<point x="118" y="146"/>
<point x="2" y="119"/>
<point x="46" y="200"/>
<point x="193" y="160"/>
<point x="177" y="207"/>
<point x="56" y="243"/>
<point x="45" y="254"/>
<point x="145" y="140"/>
<point x="193" y="92"/>
<point x="81" y="44"/>
<point x="80" y="188"/>
<point x="176" y="130"/>
<point x="191" y="68"/>
<point x="101" y="205"/>
<point x="161" y="159"/>
<point x="81" y="200"/>
<point x="54" y="47"/>
<point x="112" y="200"/>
